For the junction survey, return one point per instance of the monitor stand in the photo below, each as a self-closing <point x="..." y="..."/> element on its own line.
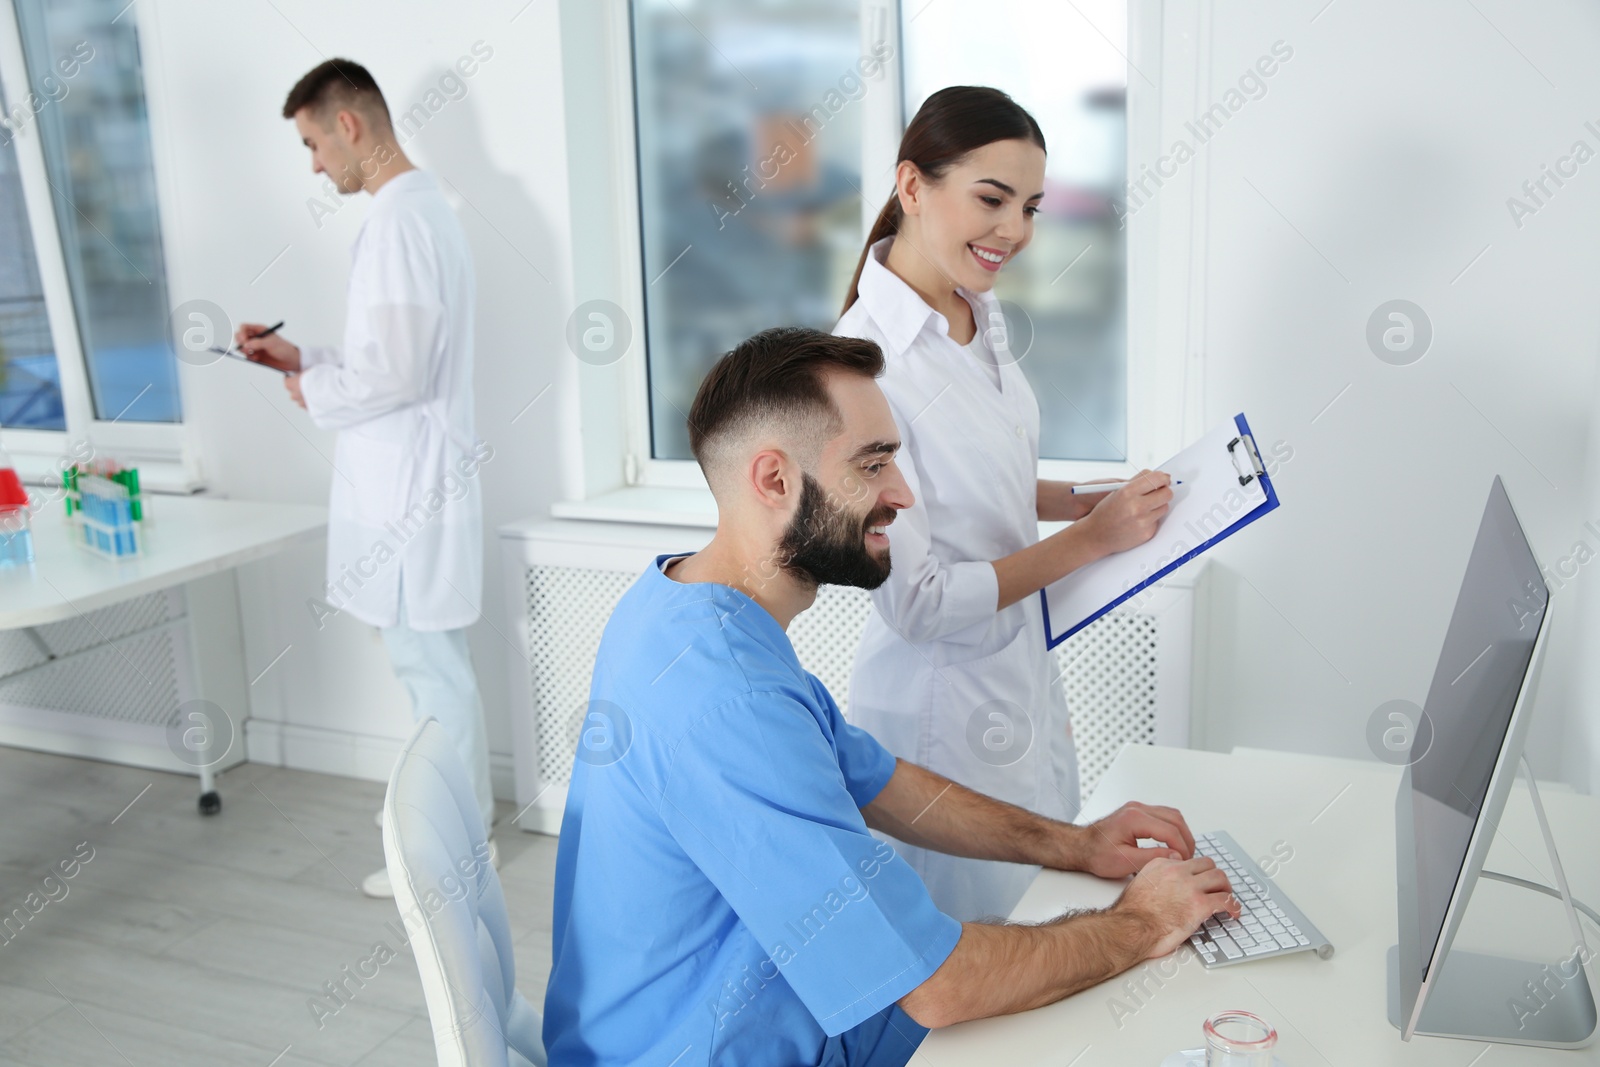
<point x="1514" y="1002"/>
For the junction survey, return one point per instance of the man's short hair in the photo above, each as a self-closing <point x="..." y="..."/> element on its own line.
<point x="337" y="85"/>
<point x="775" y="379"/>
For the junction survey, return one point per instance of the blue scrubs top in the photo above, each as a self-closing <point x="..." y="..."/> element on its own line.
<point x="718" y="897"/>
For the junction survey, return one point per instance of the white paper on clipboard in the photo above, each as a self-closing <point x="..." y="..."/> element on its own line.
<point x="1211" y="505"/>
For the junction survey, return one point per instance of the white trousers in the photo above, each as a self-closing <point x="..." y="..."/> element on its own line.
<point x="436" y="669"/>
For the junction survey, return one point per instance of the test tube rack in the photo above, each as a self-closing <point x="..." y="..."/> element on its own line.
<point x="108" y="510"/>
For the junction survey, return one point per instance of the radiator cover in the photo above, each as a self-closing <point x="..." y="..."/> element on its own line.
<point x="1127" y="676"/>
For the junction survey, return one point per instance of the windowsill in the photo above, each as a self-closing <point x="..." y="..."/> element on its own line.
<point x="644" y="505"/>
<point x="154" y="476"/>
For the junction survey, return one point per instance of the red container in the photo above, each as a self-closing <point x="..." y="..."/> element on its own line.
<point x="11" y="492"/>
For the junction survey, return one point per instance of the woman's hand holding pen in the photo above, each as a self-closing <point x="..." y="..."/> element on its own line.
<point x="1119" y="520"/>
<point x="1131" y="515"/>
<point x="259" y="343"/>
<point x="1068" y="504"/>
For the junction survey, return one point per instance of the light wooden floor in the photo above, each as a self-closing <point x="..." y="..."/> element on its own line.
<point x="191" y="940"/>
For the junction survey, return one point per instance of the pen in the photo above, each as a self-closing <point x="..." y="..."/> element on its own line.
<point x="1108" y="487"/>
<point x="232" y="354"/>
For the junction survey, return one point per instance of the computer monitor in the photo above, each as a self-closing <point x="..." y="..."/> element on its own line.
<point x="1463" y="763"/>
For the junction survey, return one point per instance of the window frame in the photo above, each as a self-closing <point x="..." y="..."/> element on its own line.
<point x="884" y="121"/>
<point x="610" y="471"/>
<point x="163" y="451"/>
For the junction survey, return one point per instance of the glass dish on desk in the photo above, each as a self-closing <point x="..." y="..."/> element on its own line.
<point x="1233" y="1039"/>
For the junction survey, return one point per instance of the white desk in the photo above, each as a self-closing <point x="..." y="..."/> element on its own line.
<point x="192" y="542"/>
<point x="1338" y="817"/>
<point x="187" y="537"/>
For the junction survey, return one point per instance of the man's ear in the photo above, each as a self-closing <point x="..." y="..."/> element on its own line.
<point x="350" y="124"/>
<point x="775" y="479"/>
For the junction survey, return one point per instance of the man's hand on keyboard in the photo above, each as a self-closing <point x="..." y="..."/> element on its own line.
<point x="1171" y="898"/>
<point x="1110" y="848"/>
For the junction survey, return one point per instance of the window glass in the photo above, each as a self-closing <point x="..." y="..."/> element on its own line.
<point x="749" y="145"/>
<point x="1065" y="296"/>
<point x="30" y="385"/>
<point x="96" y="138"/>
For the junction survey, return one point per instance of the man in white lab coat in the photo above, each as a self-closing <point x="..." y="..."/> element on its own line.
<point x="405" y="529"/>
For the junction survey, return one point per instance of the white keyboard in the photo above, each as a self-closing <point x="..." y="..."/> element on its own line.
<point x="1268" y="924"/>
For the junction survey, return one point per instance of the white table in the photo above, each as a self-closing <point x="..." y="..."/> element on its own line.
<point x="190" y="541"/>
<point x="1338" y="818"/>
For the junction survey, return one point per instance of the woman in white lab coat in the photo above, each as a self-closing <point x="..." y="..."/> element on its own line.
<point x="953" y="672"/>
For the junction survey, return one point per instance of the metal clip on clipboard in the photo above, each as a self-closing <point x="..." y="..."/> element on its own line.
<point x="1238" y="489"/>
<point x="1251" y="456"/>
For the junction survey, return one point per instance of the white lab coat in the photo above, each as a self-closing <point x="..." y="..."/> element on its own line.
<point x="405" y="510"/>
<point x="937" y="662"/>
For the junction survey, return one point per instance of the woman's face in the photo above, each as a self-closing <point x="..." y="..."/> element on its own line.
<point x="980" y="213"/>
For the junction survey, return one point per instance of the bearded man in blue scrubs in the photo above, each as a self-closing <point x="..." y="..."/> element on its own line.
<point x="719" y="896"/>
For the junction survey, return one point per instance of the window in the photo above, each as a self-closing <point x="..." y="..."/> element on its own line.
<point x="30" y="387"/>
<point x="752" y="214"/>
<point x="1065" y="297"/>
<point x="83" y="299"/>
<point x="749" y="133"/>
<point x="96" y="141"/>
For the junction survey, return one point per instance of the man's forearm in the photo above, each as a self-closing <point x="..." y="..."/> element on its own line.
<point x="1000" y="969"/>
<point x="928" y="810"/>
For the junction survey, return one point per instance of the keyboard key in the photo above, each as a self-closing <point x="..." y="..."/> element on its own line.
<point x="1229" y="949"/>
<point x="1259" y="950"/>
<point x="1286" y="941"/>
<point x="1302" y="940"/>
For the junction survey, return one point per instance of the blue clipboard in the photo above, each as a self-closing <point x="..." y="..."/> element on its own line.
<point x="1242" y="447"/>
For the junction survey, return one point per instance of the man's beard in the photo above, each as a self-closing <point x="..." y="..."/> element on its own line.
<point x="824" y="546"/>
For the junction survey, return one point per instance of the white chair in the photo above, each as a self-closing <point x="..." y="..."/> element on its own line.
<point x="455" y="914"/>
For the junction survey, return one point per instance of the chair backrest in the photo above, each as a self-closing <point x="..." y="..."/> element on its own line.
<point x="454" y="912"/>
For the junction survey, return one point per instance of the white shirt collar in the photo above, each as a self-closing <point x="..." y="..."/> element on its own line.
<point x="896" y="307"/>
<point x="410" y="181"/>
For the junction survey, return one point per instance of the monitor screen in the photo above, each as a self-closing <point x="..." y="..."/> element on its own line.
<point x="1486" y="653"/>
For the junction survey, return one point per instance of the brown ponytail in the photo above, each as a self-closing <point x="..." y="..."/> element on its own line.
<point x="949" y="125"/>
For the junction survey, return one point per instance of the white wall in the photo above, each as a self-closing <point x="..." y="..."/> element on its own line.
<point x="236" y="182"/>
<point x="1377" y="166"/>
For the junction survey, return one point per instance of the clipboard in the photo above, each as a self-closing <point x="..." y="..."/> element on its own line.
<point x="1226" y="489"/>
<point x="241" y="357"/>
